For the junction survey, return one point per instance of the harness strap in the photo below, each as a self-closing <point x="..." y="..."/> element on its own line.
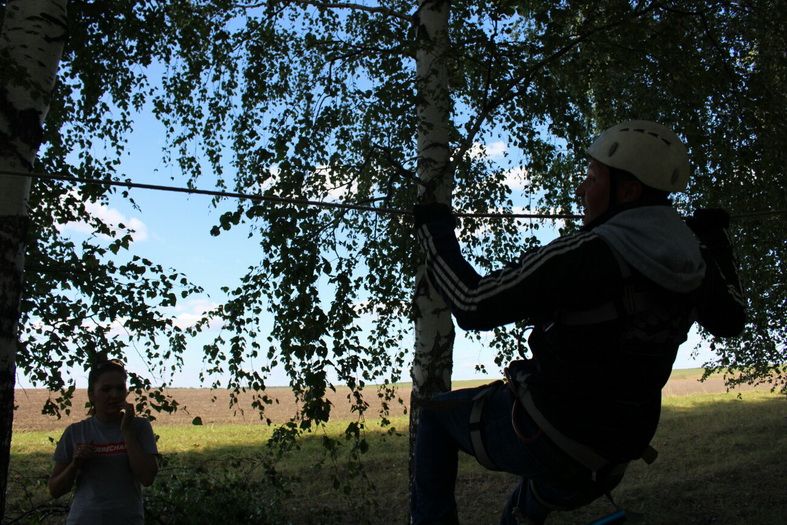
<point x="631" y="302"/>
<point x="475" y="426"/>
<point x="582" y="454"/>
<point x="551" y="506"/>
<point x="600" y="314"/>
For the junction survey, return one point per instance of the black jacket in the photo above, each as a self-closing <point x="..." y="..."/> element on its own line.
<point x="596" y="377"/>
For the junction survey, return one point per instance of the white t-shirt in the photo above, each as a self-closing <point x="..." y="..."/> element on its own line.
<point x="105" y="492"/>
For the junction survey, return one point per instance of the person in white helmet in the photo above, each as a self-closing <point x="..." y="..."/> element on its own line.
<point x="609" y="306"/>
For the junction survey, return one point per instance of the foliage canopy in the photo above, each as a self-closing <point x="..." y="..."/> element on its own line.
<point x="315" y="100"/>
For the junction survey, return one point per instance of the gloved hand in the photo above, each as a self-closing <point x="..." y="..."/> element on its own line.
<point x="709" y="225"/>
<point x="707" y="219"/>
<point x="433" y="212"/>
<point x="718" y="311"/>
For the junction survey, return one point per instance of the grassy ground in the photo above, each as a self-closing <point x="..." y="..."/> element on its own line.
<point x="722" y="461"/>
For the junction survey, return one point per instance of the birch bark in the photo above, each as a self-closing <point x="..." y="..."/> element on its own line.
<point x="434" y="328"/>
<point x="31" y="43"/>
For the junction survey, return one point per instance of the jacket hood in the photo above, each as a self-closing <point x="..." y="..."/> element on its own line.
<point x="656" y="242"/>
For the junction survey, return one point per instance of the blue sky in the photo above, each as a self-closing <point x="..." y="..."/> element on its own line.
<point x="173" y="229"/>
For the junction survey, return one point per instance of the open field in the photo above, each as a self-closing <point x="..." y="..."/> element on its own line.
<point x="200" y="402"/>
<point x="722" y="461"/>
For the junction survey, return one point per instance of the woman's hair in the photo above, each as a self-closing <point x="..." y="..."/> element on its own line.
<point x="102" y="367"/>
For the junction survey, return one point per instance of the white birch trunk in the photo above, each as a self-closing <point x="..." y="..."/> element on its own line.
<point x="31" y="39"/>
<point x="434" y="328"/>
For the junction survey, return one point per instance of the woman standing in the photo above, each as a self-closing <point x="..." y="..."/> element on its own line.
<point x="106" y="458"/>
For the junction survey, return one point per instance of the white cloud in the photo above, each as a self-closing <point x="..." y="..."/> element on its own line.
<point x="338" y="190"/>
<point x="496" y="149"/>
<point x="189" y="312"/>
<point x="117" y="328"/>
<point x="185" y="315"/>
<point x="110" y="216"/>
<point x="268" y="183"/>
<point x="492" y="150"/>
<point x="517" y="178"/>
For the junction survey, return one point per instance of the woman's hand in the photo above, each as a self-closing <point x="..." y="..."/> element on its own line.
<point x="144" y="466"/>
<point x="64" y="474"/>
<point x="127" y="423"/>
<point x="82" y="453"/>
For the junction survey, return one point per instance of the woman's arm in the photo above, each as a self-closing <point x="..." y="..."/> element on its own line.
<point x="143" y="465"/>
<point x="62" y="479"/>
<point x="64" y="474"/>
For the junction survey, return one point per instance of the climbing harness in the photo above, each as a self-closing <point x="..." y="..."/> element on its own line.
<point x="475" y="425"/>
<point x="632" y="302"/>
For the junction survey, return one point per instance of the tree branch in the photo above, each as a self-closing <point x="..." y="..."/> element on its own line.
<point x="340" y="5"/>
<point x="514" y="86"/>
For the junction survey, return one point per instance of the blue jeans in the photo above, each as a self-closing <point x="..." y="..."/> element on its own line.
<point x="444" y="430"/>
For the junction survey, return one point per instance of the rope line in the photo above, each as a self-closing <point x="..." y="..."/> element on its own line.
<point x="276" y="199"/>
<point x="322" y="204"/>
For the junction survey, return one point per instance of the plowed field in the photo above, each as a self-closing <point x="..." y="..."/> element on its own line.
<point x="213" y="406"/>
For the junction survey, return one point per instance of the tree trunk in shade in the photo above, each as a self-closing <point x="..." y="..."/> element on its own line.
<point x="31" y="43"/>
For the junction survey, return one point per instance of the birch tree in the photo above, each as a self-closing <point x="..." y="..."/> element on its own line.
<point x="62" y="312"/>
<point x="31" y="42"/>
<point x="368" y="103"/>
<point x="78" y="292"/>
<point x="434" y="329"/>
<point x="344" y="101"/>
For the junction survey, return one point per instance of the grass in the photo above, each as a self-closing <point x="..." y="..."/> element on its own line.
<point x="721" y="461"/>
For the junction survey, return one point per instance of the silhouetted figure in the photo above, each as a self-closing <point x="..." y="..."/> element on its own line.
<point x="609" y="306"/>
<point x="107" y="457"/>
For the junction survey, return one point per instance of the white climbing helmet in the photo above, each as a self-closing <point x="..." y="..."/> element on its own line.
<point x="651" y="152"/>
